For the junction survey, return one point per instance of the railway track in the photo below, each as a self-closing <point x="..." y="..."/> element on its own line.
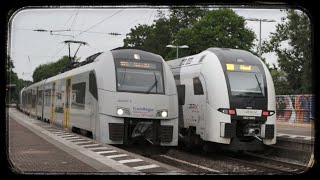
<point x="270" y="166"/>
<point x="220" y="163"/>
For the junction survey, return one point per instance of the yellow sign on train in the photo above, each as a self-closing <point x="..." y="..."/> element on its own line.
<point x="245" y="67"/>
<point x="230" y="67"/>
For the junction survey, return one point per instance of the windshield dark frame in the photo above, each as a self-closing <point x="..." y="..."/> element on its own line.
<point x="158" y="68"/>
<point x="254" y="77"/>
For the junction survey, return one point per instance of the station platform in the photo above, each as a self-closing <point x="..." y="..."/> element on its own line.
<point x="295" y="130"/>
<point x="36" y="147"/>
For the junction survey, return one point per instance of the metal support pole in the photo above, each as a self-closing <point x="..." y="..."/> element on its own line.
<point x="69" y="53"/>
<point x="177" y="51"/>
<point x="260" y="53"/>
<point x="76" y="52"/>
<point x="260" y="21"/>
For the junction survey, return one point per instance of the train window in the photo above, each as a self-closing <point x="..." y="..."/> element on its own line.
<point x="93" y="85"/>
<point x="29" y="98"/>
<point x="246" y="84"/>
<point x="33" y="100"/>
<point x="40" y="97"/>
<point x="78" y="96"/>
<point x="189" y="61"/>
<point x="197" y="86"/>
<point x="181" y="94"/>
<point x="140" y="80"/>
<point x="47" y="96"/>
<point x="183" y="60"/>
<point x="201" y="59"/>
<point x="59" y="95"/>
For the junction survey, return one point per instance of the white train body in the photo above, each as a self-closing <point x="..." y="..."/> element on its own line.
<point x="120" y="95"/>
<point x="221" y="101"/>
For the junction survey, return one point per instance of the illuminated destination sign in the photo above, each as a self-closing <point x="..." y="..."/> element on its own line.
<point x="134" y="64"/>
<point x="242" y="67"/>
<point x="245" y="67"/>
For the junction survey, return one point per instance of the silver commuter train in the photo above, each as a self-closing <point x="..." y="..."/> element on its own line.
<point x="116" y="97"/>
<point x="226" y="96"/>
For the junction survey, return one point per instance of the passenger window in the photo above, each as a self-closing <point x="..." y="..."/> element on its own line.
<point x="201" y="59"/>
<point x="47" y="96"/>
<point x="40" y="98"/>
<point x="181" y="94"/>
<point x="78" y="96"/>
<point x="93" y="85"/>
<point x="197" y="86"/>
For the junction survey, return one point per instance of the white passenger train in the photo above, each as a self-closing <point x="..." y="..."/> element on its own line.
<point x="226" y="96"/>
<point x="116" y="97"/>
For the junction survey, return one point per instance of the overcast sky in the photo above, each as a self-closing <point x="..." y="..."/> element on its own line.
<point x="29" y="48"/>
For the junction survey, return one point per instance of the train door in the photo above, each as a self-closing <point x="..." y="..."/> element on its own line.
<point x="36" y="102"/>
<point x="181" y="89"/>
<point x="66" y="119"/>
<point x="202" y="105"/>
<point x="94" y="107"/>
<point x="52" y="109"/>
<point x="59" y="103"/>
<point x="196" y="104"/>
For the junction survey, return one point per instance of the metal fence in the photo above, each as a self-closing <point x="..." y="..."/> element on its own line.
<point x="295" y="108"/>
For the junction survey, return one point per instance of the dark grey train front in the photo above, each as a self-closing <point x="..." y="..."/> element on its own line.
<point x="119" y="96"/>
<point x="225" y="96"/>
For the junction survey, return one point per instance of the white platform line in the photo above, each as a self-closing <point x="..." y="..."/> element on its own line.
<point x="84" y="141"/>
<point x="68" y="136"/>
<point x="75" y="137"/>
<point x="59" y="133"/>
<point x="130" y="160"/>
<point x="80" y="140"/>
<point x="63" y="134"/>
<point x="146" y="167"/>
<point x="56" y="132"/>
<point x="118" y="155"/>
<point x="102" y="152"/>
<point x="89" y="145"/>
<point x="98" y="148"/>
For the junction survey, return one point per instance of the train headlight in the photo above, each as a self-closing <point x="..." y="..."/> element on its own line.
<point x="120" y="111"/>
<point x="123" y="111"/>
<point x="162" y="113"/>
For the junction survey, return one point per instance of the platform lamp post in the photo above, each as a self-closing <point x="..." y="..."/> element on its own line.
<point x="172" y="46"/>
<point x="260" y="20"/>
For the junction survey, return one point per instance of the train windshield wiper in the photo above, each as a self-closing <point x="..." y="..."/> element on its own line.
<point x="259" y="84"/>
<point x="154" y="84"/>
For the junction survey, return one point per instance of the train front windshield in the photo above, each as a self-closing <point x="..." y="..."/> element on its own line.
<point x="140" y="77"/>
<point x="247" y="82"/>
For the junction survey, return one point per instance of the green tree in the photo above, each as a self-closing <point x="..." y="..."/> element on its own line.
<point x="162" y="32"/>
<point x="218" y="28"/>
<point x="12" y="78"/>
<point x="280" y="82"/>
<point x="45" y="71"/>
<point x="292" y="44"/>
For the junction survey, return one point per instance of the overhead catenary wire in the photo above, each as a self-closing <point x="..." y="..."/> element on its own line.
<point x="99" y="23"/>
<point x="69" y="19"/>
<point x="75" y="17"/>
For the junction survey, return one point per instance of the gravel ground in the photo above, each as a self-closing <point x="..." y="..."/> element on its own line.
<point x="221" y="164"/>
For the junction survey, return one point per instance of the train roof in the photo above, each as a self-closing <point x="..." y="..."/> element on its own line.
<point x="129" y="54"/>
<point x="228" y="55"/>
